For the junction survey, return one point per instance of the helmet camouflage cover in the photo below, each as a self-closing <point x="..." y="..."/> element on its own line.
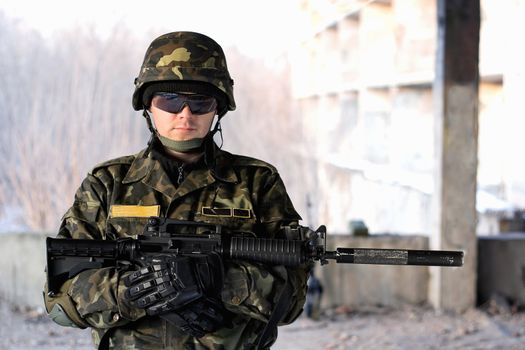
<point x="184" y="58"/>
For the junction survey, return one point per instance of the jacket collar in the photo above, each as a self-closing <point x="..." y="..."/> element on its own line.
<point x="140" y="167"/>
<point x="150" y="171"/>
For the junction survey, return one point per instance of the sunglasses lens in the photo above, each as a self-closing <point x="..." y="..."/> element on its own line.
<point x="168" y="102"/>
<point x="201" y="104"/>
<point x="174" y="103"/>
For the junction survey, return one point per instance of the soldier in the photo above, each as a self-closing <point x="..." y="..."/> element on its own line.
<point x="182" y="86"/>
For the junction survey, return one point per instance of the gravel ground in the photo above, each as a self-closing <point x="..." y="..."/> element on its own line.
<point x="367" y="328"/>
<point x="406" y="328"/>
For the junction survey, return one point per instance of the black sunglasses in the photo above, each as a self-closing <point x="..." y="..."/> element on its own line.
<point x="175" y="102"/>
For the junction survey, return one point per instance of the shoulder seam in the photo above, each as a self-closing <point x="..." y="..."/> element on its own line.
<point x="120" y="160"/>
<point x="239" y="160"/>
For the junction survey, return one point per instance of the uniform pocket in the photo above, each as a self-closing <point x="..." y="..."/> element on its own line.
<point x="126" y="226"/>
<point x="236" y="285"/>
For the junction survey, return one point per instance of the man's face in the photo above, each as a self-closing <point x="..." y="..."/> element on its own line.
<point x="180" y="126"/>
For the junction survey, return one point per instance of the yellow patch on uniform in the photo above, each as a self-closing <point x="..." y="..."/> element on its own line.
<point x="137" y="211"/>
<point x="227" y="212"/>
<point x="178" y="55"/>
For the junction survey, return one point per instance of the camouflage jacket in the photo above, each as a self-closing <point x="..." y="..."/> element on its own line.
<point x="115" y="200"/>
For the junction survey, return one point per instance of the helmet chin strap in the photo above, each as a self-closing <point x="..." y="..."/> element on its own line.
<point x="217" y="128"/>
<point x="185" y="146"/>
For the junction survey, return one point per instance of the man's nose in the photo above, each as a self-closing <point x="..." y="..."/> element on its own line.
<point x="185" y="112"/>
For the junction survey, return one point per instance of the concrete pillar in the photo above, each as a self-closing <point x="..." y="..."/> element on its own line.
<point x="456" y="133"/>
<point x="513" y="59"/>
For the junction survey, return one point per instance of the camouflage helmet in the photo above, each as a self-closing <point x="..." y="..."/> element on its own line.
<point x="184" y="61"/>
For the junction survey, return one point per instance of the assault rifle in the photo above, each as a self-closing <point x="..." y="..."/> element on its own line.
<point x="68" y="257"/>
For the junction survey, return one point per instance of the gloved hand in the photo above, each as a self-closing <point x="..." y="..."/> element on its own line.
<point x="200" y="317"/>
<point x="170" y="283"/>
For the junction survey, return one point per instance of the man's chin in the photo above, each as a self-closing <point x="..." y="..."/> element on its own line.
<point x="183" y="136"/>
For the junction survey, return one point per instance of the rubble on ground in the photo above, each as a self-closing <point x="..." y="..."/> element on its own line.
<point x="492" y="326"/>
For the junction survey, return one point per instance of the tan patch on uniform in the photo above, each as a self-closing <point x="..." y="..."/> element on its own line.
<point x="137" y="211"/>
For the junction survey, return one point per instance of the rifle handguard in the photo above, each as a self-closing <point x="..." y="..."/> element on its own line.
<point x="268" y="251"/>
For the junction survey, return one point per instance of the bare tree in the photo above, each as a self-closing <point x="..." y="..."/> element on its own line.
<point x="68" y="108"/>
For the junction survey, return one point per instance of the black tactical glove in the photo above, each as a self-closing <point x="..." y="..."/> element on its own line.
<point x="200" y="317"/>
<point x="184" y="290"/>
<point x="170" y="283"/>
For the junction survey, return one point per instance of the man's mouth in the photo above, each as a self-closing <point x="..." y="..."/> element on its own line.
<point x="184" y="128"/>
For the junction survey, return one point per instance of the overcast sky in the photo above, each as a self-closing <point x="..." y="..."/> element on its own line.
<point x="257" y="28"/>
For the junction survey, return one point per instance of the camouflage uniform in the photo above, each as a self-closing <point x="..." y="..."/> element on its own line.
<point x="115" y="200"/>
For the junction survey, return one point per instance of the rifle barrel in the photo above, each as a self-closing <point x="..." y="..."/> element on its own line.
<point x="396" y="257"/>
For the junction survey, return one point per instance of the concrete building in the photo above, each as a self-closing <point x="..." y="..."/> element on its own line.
<point x="364" y="81"/>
